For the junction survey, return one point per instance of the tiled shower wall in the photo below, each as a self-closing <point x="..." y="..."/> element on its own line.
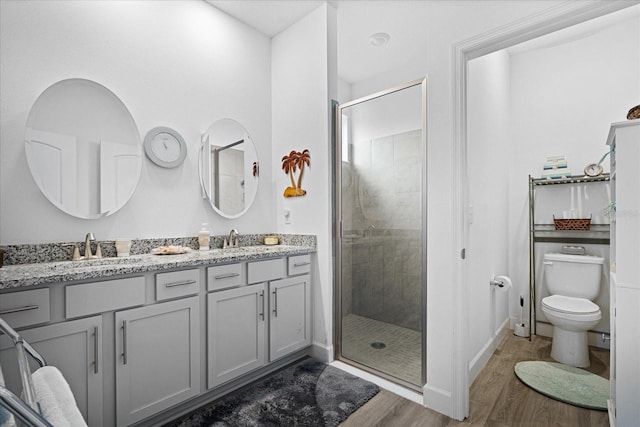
<point x="232" y="185"/>
<point x="382" y="222"/>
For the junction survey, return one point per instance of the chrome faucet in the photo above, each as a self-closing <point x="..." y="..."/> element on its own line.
<point x="75" y="253"/>
<point x="87" y="245"/>
<point x="232" y="241"/>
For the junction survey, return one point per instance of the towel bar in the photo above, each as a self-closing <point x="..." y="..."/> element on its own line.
<point x="36" y="404"/>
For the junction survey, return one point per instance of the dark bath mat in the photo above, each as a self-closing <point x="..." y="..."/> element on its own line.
<point x="308" y="393"/>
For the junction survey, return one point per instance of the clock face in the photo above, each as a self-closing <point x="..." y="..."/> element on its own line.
<point x="165" y="147"/>
<point x="593" y="169"/>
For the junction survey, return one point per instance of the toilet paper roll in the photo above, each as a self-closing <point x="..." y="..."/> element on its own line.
<point x="506" y="283"/>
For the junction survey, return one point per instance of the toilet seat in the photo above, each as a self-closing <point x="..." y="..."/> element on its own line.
<point x="570" y="308"/>
<point x="569" y="305"/>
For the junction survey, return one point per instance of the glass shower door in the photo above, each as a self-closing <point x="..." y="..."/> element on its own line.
<point x="381" y="238"/>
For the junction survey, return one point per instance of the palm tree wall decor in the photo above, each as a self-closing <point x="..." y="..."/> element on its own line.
<point x="295" y="161"/>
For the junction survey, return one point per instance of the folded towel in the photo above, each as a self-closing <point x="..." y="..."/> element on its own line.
<point x="558" y="165"/>
<point x="555" y="158"/>
<point x="56" y="400"/>
<point x="559" y="173"/>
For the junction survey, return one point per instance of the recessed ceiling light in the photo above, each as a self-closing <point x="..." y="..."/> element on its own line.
<point x="379" y="39"/>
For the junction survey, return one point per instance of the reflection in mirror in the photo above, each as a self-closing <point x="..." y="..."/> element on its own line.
<point x="228" y="168"/>
<point x="83" y="148"/>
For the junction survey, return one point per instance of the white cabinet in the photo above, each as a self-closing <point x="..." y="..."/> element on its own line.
<point x="157" y="358"/>
<point x="75" y="348"/>
<point x="290" y="315"/>
<point x="236" y="332"/>
<point x="624" y="139"/>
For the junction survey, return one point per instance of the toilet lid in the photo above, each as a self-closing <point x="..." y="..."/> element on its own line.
<point x="565" y="304"/>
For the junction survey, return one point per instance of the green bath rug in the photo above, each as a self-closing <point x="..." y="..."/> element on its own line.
<point x="565" y="383"/>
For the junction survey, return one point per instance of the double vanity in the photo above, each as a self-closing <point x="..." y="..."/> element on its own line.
<point x="145" y="338"/>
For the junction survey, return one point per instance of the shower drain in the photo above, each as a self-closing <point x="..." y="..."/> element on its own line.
<point x="378" y="345"/>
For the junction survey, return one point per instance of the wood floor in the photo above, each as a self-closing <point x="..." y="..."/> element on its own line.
<point x="497" y="398"/>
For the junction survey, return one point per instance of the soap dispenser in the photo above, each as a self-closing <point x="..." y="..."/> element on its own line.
<point x="204" y="235"/>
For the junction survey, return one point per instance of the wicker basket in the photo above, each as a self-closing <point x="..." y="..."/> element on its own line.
<point x="574" y="224"/>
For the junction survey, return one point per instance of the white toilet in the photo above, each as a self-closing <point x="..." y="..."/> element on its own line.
<point x="574" y="282"/>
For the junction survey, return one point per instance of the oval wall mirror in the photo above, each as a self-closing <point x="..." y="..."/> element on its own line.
<point x="229" y="168"/>
<point x="83" y="148"/>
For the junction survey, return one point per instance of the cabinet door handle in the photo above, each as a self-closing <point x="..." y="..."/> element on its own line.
<point x="262" y="305"/>
<point x="184" y="283"/>
<point x="226" y="276"/>
<point x="301" y="264"/>
<point x="19" y="309"/>
<point x="95" y="349"/>
<point x="275" y="303"/>
<point x="124" y="342"/>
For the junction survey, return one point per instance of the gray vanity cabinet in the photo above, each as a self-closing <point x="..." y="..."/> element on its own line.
<point x="265" y="316"/>
<point x="236" y="326"/>
<point x="157" y="358"/>
<point x="289" y="315"/>
<point x="132" y="345"/>
<point x="75" y="348"/>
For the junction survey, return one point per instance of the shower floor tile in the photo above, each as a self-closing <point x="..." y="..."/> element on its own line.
<point x="401" y="356"/>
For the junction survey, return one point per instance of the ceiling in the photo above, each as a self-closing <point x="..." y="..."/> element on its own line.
<point x="358" y="60"/>
<point x="270" y="17"/>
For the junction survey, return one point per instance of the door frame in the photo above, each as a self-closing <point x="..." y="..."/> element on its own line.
<point x="550" y="20"/>
<point x="337" y="236"/>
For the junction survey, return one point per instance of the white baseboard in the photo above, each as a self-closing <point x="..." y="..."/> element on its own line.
<point x="321" y="352"/>
<point x="482" y="357"/>
<point x="437" y="399"/>
<point x="612" y="413"/>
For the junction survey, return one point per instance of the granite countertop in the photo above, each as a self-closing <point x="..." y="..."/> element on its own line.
<point x="25" y="275"/>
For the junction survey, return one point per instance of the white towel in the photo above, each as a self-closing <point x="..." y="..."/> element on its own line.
<point x="56" y="400"/>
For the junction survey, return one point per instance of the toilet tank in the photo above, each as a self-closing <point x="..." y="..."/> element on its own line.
<point x="573" y="275"/>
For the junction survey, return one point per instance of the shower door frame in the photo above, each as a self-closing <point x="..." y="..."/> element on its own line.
<point x="337" y="238"/>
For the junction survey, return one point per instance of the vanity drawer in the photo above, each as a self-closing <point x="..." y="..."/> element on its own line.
<point x="299" y="264"/>
<point x="224" y="276"/>
<point x="263" y="271"/>
<point x="104" y="296"/>
<point x="25" y="308"/>
<point x="177" y="284"/>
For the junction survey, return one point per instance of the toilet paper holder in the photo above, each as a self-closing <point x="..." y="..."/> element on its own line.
<point x="498" y="283"/>
<point x="501" y="283"/>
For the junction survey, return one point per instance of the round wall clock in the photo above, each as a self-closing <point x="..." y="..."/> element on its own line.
<point x="593" y="169"/>
<point x="165" y="147"/>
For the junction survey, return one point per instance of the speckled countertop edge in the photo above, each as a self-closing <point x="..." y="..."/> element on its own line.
<point x="62" y="251"/>
<point x="26" y="275"/>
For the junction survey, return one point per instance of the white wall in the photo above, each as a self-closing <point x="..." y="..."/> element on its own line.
<point x="304" y="80"/>
<point x="563" y="98"/>
<point x="447" y="23"/>
<point x="488" y="160"/>
<point x="181" y="64"/>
